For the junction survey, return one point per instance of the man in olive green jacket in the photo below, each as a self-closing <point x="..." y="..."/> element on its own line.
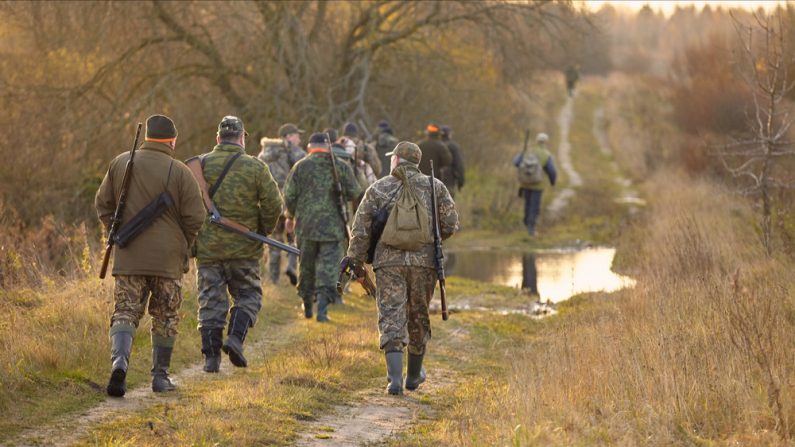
<point x="248" y="195"/>
<point x="153" y="263"/>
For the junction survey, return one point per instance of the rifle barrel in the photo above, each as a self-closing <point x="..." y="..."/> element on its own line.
<point x="120" y="205"/>
<point x="437" y="247"/>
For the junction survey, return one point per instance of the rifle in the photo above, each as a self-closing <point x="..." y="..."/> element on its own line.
<point x="194" y="164"/>
<point x="351" y="271"/>
<point x="437" y="247"/>
<point x="115" y="222"/>
<point x="343" y="208"/>
<point x="526" y="140"/>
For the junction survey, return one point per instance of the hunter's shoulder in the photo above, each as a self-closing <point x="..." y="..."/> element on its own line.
<point x="383" y="187"/>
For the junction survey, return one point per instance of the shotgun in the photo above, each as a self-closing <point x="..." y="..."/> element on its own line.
<point x="115" y="222"/>
<point x="194" y="164"/>
<point x="437" y="247"/>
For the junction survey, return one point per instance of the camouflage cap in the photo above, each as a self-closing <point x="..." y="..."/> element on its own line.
<point x="231" y="124"/>
<point x="408" y="151"/>
<point x="288" y="128"/>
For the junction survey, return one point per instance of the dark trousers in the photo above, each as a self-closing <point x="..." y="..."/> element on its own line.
<point x="532" y="207"/>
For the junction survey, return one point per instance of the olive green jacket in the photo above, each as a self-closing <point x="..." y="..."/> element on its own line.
<point x="161" y="249"/>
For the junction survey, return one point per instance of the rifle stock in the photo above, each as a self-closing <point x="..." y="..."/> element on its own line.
<point x="437" y="247"/>
<point x="120" y="205"/>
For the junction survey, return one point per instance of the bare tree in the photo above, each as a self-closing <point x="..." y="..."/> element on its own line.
<point x="765" y="58"/>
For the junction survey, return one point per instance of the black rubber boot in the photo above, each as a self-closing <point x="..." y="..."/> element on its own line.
<point x="212" y="339"/>
<point x="308" y="303"/>
<point x="394" y="371"/>
<point x="121" y="347"/>
<point x="291" y="276"/>
<point x="161" y="360"/>
<point x="239" y="322"/>
<point x="415" y="373"/>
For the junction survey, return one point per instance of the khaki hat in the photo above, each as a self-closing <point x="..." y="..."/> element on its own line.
<point x="408" y="151"/>
<point x="288" y="128"/>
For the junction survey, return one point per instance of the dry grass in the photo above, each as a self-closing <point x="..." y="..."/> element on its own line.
<point x="695" y="354"/>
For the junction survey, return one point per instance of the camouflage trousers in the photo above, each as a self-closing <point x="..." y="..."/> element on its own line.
<point x="241" y="278"/>
<point x="275" y="255"/>
<point x="131" y="295"/>
<point x="320" y="263"/>
<point x="403" y="296"/>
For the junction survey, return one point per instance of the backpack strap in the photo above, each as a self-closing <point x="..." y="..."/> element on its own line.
<point x="229" y="162"/>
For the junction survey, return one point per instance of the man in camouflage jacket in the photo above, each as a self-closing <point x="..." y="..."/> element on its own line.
<point x="280" y="154"/>
<point x="405" y="279"/>
<point x="150" y="268"/>
<point x="311" y="200"/>
<point x="248" y="195"/>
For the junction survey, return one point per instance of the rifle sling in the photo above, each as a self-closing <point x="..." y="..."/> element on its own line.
<point x="227" y="165"/>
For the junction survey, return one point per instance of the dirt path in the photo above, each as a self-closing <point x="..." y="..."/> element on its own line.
<point x="561" y="200"/>
<point x="373" y="417"/>
<point x="628" y="194"/>
<point x="71" y="428"/>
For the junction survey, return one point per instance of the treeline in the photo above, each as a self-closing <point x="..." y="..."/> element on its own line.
<point x="75" y="77"/>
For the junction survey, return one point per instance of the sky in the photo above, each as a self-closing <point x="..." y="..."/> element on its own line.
<point x="667" y="7"/>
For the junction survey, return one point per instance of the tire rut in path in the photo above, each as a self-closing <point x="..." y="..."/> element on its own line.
<point x="561" y="200"/>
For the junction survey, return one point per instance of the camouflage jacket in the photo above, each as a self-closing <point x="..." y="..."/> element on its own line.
<point x="310" y="198"/>
<point x="280" y="157"/>
<point x="248" y="195"/>
<point x="383" y="193"/>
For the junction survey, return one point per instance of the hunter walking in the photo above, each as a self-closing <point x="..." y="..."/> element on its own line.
<point x="404" y="263"/>
<point x="530" y="165"/>
<point x="280" y="154"/>
<point x="148" y="267"/>
<point x="244" y="191"/>
<point x="315" y="196"/>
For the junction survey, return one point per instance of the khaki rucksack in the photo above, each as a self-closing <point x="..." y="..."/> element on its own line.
<point x="529" y="169"/>
<point x="407" y="227"/>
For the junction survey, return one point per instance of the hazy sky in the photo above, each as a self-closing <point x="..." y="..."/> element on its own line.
<point x="667" y="7"/>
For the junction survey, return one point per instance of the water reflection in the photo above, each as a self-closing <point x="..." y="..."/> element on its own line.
<point x="554" y="276"/>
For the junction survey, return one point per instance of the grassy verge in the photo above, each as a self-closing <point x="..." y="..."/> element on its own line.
<point x="699" y="353"/>
<point x="54" y="348"/>
<point x="302" y="369"/>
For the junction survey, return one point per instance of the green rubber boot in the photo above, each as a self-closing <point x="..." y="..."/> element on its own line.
<point x="415" y="373"/>
<point x="394" y="370"/>
<point x="161" y="360"/>
<point x="121" y="347"/>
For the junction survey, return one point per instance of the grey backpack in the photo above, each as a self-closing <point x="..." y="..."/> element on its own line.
<point x="529" y="169"/>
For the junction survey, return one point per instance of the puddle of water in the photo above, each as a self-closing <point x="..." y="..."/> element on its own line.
<point x="554" y="276"/>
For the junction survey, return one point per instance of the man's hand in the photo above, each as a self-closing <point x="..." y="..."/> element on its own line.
<point x="350" y="269"/>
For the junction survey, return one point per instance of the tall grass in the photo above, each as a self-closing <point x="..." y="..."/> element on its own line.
<point x="700" y="350"/>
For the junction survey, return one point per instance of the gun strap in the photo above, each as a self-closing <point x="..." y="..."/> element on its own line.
<point x="228" y="165"/>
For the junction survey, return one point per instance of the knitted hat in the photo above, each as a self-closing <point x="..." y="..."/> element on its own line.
<point x="160" y="127"/>
<point x="350" y="130"/>
<point x="318" y="139"/>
